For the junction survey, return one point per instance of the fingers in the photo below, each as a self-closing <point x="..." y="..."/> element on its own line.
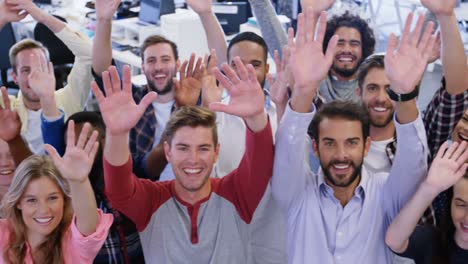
<point x="461" y="154"/>
<point x="70" y="134"/>
<point x="322" y="27"/>
<point x="91" y="142"/>
<point x="6" y="98"/>
<point x="219" y="107"/>
<point x="83" y="136"/>
<point x="290" y="38"/>
<point x="414" y="37"/>
<point x="391" y="46"/>
<point x="197" y="71"/>
<point x="114" y="79"/>
<point x="146" y="101"/>
<point x="190" y="65"/>
<point x="183" y="70"/>
<point x="310" y="24"/>
<point x="53" y="154"/>
<point x="330" y="53"/>
<point x="241" y="69"/>
<point x="286" y="55"/>
<point x="251" y="73"/>
<point x="97" y="92"/>
<point x="230" y="73"/>
<point x="223" y="80"/>
<point x="212" y="60"/>
<point x="301" y="31"/>
<point x="407" y="28"/>
<point x="277" y="60"/>
<point x="106" y="80"/>
<point x="127" y="79"/>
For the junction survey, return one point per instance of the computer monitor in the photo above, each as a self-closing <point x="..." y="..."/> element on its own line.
<point x="49" y="2"/>
<point x="231" y="15"/>
<point x="152" y="10"/>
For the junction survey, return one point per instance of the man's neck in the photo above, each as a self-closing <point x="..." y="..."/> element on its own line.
<point x="345" y="194"/>
<point x="165" y="98"/>
<point x="192" y="197"/>
<point x="382" y="133"/>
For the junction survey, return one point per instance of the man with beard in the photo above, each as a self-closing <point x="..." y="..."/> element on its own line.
<point x="71" y="98"/>
<point x="341" y="214"/>
<point x="356" y="43"/>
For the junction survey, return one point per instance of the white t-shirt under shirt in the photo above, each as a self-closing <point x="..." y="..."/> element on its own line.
<point x="162" y="112"/>
<point x="34" y="133"/>
<point x="377" y="160"/>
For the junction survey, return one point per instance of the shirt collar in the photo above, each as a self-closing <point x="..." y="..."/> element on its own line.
<point x="359" y="192"/>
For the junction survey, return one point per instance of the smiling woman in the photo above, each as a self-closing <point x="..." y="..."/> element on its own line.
<point x="42" y="224"/>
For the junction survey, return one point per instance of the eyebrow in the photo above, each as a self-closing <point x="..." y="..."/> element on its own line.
<point x="460" y="200"/>
<point x="34" y="196"/>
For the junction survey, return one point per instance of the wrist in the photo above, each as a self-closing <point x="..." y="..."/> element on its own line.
<point x="429" y="190"/>
<point x="79" y="183"/>
<point x="445" y="15"/>
<point x="257" y="122"/>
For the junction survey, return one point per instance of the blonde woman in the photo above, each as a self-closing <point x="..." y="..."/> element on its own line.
<point x="43" y="224"/>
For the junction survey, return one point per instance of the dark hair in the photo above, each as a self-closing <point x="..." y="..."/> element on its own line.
<point x="341" y="109"/>
<point x="371" y="62"/>
<point x="248" y="36"/>
<point x="191" y="116"/>
<point x="351" y="21"/>
<point x="157" y="39"/>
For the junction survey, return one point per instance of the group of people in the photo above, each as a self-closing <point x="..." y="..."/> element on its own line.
<point x="328" y="161"/>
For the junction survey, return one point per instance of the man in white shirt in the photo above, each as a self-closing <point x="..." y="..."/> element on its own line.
<point x="23" y="55"/>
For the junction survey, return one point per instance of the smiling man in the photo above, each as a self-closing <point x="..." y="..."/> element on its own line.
<point x="193" y="218"/>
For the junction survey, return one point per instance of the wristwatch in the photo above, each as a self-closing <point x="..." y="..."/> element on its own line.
<point x="402" y="97"/>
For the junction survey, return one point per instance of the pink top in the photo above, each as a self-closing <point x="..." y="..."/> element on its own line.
<point x="76" y="247"/>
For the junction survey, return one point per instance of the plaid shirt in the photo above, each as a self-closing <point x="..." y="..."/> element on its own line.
<point x="122" y="244"/>
<point x="441" y="116"/>
<point x="142" y="135"/>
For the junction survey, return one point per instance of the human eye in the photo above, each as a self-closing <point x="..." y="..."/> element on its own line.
<point x="31" y="200"/>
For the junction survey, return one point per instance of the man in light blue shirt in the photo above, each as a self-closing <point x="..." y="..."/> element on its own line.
<point x="341" y="214"/>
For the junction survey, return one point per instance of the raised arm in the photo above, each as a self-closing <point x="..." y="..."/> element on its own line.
<point x="447" y="168"/>
<point x="405" y="64"/>
<point x="246" y="185"/>
<point x="404" y="67"/>
<point x="41" y="16"/>
<point x="270" y="26"/>
<point x="283" y="80"/>
<point x="75" y="166"/>
<point x="309" y="67"/>
<point x="453" y="52"/>
<point x="102" y="47"/>
<point x="10" y="130"/>
<point x="214" y="32"/>
<point x="7" y="14"/>
<point x="187" y="89"/>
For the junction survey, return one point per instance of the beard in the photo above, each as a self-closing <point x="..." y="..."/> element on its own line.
<point x="166" y="89"/>
<point x="381" y="124"/>
<point x="354" y="174"/>
<point x="345" y="72"/>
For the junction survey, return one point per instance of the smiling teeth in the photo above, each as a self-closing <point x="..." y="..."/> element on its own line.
<point x="346" y="59"/>
<point x="463" y="137"/>
<point x="380" y="109"/>
<point x="160" y="76"/>
<point x="43" y="220"/>
<point x="192" y="171"/>
<point x="6" y="172"/>
<point x="340" y="167"/>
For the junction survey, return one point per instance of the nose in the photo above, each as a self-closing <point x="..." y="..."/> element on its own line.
<point x="382" y="95"/>
<point x="43" y="208"/>
<point x="341" y="153"/>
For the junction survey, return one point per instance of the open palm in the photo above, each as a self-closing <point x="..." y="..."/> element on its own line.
<point x="448" y="166"/>
<point x="406" y="63"/>
<point x="246" y="95"/>
<point x="106" y="8"/>
<point x="10" y="124"/>
<point x="78" y="159"/>
<point x="119" y="110"/>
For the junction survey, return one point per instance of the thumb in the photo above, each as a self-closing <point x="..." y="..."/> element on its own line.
<point x="53" y="154"/>
<point x="219" y="107"/>
<point x="147" y="100"/>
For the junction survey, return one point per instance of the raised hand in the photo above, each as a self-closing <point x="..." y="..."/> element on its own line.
<point x="439" y="7"/>
<point x="279" y="87"/>
<point x="105" y="9"/>
<point x="200" y="6"/>
<point x="435" y="53"/>
<point x="406" y="63"/>
<point x="247" y="98"/>
<point x="448" y="166"/>
<point x="317" y="5"/>
<point x="10" y="123"/>
<point x="10" y="15"/>
<point x="78" y="159"/>
<point x="42" y="78"/>
<point x="187" y="90"/>
<point x="118" y="109"/>
<point x="309" y="65"/>
<point x="210" y="92"/>
<point x="26" y="5"/>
